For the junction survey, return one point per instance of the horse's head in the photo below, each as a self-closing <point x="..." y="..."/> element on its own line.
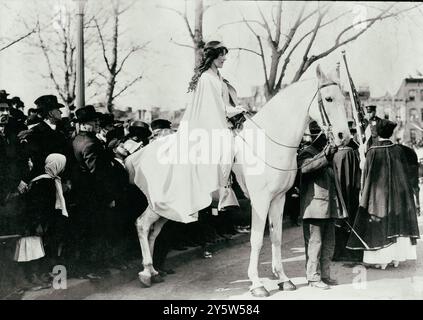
<point x="333" y="108"/>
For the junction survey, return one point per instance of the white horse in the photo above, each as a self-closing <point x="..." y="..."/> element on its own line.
<point x="283" y="120"/>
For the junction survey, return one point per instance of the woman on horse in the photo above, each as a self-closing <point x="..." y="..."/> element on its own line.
<point x="208" y="70"/>
<point x="179" y="172"/>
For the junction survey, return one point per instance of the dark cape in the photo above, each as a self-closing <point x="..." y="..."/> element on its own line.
<point x="387" y="209"/>
<point x="346" y="166"/>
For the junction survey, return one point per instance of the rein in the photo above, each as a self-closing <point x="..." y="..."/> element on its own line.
<point x="325" y="120"/>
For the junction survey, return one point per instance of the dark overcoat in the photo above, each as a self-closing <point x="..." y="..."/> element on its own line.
<point x="42" y="140"/>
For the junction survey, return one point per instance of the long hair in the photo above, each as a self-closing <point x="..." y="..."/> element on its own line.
<point x="211" y="51"/>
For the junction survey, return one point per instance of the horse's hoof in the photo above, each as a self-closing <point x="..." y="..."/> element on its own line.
<point x="287" y="286"/>
<point x="145" y="281"/>
<point x="260" y="292"/>
<point x="157" y="278"/>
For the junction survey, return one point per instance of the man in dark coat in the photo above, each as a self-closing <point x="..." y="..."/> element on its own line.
<point x="44" y="138"/>
<point x="13" y="169"/>
<point x="318" y="208"/>
<point x="91" y="185"/>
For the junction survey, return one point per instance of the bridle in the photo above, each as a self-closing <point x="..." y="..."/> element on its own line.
<point x="327" y="126"/>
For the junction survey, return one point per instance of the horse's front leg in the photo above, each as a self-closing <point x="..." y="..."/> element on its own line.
<point x="275" y="228"/>
<point x="143" y="225"/>
<point x="257" y="231"/>
<point x="156" y="228"/>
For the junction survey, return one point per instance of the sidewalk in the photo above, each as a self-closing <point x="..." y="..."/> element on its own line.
<point x="81" y="288"/>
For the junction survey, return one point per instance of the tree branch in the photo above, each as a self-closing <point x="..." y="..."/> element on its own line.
<point x="134" y="49"/>
<point x="291" y="51"/>
<point x="241" y="21"/>
<point x="21" y="38"/>
<point x="184" y="17"/>
<point x="292" y="31"/>
<point x="266" y="26"/>
<point x="51" y="73"/>
<point x="246" y="49"/>
<point x="182" y="44"/>
<point x="339" y="43"/>
<point x="103" y="46"/>
<point x="127" y="86"/>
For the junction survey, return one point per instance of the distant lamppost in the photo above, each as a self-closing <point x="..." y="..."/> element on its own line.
<point x="80" y="74"/>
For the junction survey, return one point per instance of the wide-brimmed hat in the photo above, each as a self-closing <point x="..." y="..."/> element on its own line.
<point x="140" y="129"/>
<point x="161" y="124"/>
<point x="48" y="102"/>
<point x="86" y="114"/>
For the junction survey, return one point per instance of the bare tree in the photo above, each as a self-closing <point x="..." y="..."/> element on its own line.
<point x="283" y="46"/>
<point x="195" y="30"/>
<point x="113" y="60"/>
<point x="55" y="39"/>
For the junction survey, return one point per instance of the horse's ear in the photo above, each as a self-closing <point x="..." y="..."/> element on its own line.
<point x="320" y="75"/>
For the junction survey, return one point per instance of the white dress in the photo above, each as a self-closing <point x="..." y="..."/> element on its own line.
<point x="401" y="250"/>
<point x="176" y="186"/>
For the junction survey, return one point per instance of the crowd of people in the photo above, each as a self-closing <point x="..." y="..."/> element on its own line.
<point x="65" y="190"/>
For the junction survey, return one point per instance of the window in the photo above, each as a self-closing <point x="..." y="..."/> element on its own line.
<point x="414" y="116"/>
<point x="421" y="94"/>
<point x="411" y="95"/>
<point x="421" y="113"/>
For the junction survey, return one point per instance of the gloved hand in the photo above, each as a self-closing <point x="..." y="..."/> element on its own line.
<point x="22" y="187"/>
<point x="241" y="108"/>
<point x="329" y="151"/>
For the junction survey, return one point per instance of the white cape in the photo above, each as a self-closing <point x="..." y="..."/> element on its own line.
<point x="178" y="172"/>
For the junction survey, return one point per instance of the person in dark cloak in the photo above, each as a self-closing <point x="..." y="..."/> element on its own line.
<point x="386" y="223"/>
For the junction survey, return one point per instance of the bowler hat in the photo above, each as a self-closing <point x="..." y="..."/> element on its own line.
<point x="86" y="114"/>
<point x="140" y="129"/>
<point x="48" y="102"/>
<point x="161" y="124"/>
<point x="106" y="119"/>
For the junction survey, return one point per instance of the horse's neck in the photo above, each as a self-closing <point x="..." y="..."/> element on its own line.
<point x="285" y="117"/>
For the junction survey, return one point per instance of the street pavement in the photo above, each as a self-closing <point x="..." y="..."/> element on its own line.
<point x="225" y="277"/>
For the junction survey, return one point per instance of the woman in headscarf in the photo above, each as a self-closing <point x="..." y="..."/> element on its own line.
<point x="45" y="204"/>
<point x="386" y="224"/>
